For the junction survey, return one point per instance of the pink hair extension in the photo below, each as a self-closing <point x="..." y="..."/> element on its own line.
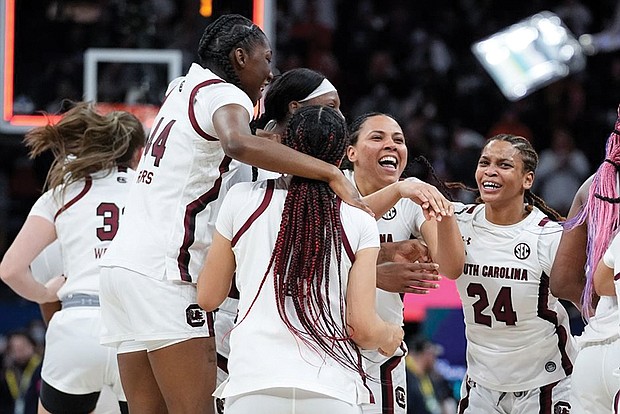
<point x="601" y="212"/>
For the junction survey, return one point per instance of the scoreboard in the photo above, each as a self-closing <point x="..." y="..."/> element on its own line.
<point x="52" y="51"/>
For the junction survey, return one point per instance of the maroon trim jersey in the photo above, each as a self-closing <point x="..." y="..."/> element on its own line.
<point x="263" y="352"/>
<point x="182" y="177"/>
<point x="518" y="337"/>
<point x="388" y="374"/>
<point x="96" y="203"/>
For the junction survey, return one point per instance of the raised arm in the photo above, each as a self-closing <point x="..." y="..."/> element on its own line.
<point x="445" y="245"/>
<point x="433" y="203"/>
<point x="231" y="123"/>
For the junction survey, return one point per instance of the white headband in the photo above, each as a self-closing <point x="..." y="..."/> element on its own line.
<point x="325" y="87"/>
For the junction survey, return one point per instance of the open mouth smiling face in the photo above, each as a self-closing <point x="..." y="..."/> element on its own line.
<point x="380" y="152"/>
<point x="389" y="163"/>
<point x="500" y="175"/>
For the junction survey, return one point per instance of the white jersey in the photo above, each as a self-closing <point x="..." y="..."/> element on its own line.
<point x="603" y="326"/>
<point x="518" y="337"/>
<point x="96" y="204"/>
<point x="262" y="175"/>
<point x="170" y="215"/>
<point x="401" y="222"/>
<point x="611" y="260"/>
<point x="48" y="263"/>
<point x="263" y="352"/>
<point x="388" y="373"/>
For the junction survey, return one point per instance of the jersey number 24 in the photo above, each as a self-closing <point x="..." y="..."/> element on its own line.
<point x="502" y="306"/>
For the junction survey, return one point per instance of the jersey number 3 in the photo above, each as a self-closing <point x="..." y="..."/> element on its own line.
<point x="111" y="215"/>
<point x="502" y="307"/>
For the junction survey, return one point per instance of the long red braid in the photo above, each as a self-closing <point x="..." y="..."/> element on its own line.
<point x="309" y="240"/>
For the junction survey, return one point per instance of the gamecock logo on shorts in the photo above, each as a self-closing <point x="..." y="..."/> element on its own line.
<point x="561" y="407"/>
<point x="195" y="316"/>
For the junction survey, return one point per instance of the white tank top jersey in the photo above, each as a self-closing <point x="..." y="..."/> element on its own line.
<point x="610" y="258"/>
<point x="401" y="222"/>
<point x="603" y="326"/>
<point x="264" y="353"/>
<point x="171" y="209"/>
<point x="97" y="204"/>
<point x="518" y="336"/>
<point x="48" y="263"/>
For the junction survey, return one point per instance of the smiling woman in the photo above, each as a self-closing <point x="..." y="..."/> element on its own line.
<point x="378" y="153"/>
<point x="169" y="217"/>
<point x="517" y="332"/>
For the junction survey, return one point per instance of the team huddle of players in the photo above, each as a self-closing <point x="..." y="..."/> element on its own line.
<point x="243" y="262"/>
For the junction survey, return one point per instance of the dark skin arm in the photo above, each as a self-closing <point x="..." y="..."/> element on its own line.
<point x="232" y="122"/>
<point x="404" y="267"/>
<point x="48" y="310"/>
<point x="417" y="278"/>
<point x="567" y="279"/>
<point x="406" y="251"/>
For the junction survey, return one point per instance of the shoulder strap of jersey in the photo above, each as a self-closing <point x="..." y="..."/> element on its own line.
<point x="261" y="208"/>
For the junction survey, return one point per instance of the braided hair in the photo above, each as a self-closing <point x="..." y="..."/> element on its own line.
<point x="309" y="240"/>
<point x="220" y="38"/>
<point x="601" y="212"/>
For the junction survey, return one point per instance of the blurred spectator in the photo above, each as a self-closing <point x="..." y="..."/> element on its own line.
<point x="510" y="122"/>
<point x="427" y="391"/>
<point x="21" y="375"/>
<point x="607" y="40"/>
<point x="561" y="170"/>
<point x="462" y="160"/>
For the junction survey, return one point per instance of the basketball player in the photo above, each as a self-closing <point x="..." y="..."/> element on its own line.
<point x="200" y="138"/>
<point x="593" y="220"/>
<point x="519" y="349"/>
<point x="44" y="267"/>
<point x="379" y="155"/>
<point x="288" y="92"/>
<point x="305" y="265"/>
<point x="607" y="283"/>
<point x="81" y="209"/>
